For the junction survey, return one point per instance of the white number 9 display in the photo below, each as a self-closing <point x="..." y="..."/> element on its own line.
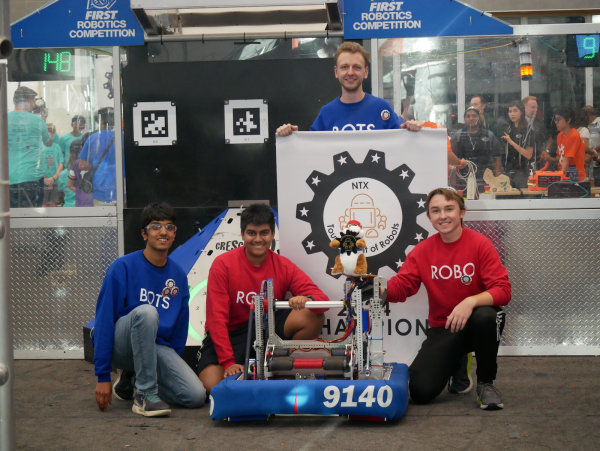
<point x="385" y="395"/>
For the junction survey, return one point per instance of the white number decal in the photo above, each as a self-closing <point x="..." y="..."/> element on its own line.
<point x="348" y="402"/>
<point x="367" y="396"/>
<point x="381" y="393"/>
<point x="332" y="393"/>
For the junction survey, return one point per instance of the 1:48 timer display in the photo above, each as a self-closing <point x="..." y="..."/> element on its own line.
<point x="59" y="62"/>
<point x="41" y="65"/>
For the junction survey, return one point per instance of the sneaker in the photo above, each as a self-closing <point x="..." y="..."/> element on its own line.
<point x="461" y="381"/>
<point x="489" y="397"/>
<point x="123" y="387"/>
<point x="150" y="406"/>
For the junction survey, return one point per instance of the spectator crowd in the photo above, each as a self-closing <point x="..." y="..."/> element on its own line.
<point x="519" y="144"/>
<point x="45" y="169"/>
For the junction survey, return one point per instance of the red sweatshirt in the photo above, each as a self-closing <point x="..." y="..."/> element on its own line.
<point x="451" y="272"/>
<point x="233" y="281"/>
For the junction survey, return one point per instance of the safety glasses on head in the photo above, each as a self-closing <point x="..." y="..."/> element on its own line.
<point x="449" y="188"/>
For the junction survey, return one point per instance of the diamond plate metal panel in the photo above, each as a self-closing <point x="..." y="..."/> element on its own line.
<point x="553" y="267"/>
<point x="56" y="277"/>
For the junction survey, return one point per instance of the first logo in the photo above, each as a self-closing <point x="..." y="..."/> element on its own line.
<point x="101" y="4"/>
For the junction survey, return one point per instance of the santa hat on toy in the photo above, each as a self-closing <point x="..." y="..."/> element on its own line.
<point x="355" y="227"/>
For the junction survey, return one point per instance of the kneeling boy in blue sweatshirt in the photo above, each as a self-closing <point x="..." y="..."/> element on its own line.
<point x="142" y="319"/>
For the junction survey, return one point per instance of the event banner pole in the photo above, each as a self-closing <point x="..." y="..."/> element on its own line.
<point x="7" y="425"/>
<point x="119" y="149"/>
<point x="7" y="421"/>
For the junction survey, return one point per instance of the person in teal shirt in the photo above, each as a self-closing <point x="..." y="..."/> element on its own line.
<point x="63" y="186"/>
<point x="78" y="124"/>
<point x="26" y="133"/>
<point x="53" y="165"/>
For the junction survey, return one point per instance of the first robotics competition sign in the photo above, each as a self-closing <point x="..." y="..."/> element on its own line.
<point x="368" y="19"/>
<point x="379" y="178"/>
<point x="79" y="23"/>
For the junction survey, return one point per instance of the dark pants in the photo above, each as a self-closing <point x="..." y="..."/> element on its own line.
<point x="27" y="194"/>
<point x="439" y="356"/>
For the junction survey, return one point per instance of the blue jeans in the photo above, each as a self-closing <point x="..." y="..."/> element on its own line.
<point x="158" y="368"/>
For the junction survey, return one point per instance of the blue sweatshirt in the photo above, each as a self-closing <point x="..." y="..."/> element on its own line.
<point x="132" y="281"/>
<point x="371" y="113"/>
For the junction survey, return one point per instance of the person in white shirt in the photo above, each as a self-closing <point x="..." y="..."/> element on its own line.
<point x="594" y="127"/>
<point x="581" y="123"/>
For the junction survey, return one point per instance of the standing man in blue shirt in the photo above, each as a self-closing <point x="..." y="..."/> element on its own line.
<point x="104" y="180"/>
<point x="142" y="319"/>
<point x="354" y="109"/>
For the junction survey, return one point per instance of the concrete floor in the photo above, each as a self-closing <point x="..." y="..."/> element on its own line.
<point x="551" y="403"/>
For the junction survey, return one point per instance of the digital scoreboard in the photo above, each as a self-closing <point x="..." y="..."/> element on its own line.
<point x="41" y="65"/>
<point x="583" y="50"/>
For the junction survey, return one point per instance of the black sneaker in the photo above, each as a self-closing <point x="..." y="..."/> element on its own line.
<point x="489" y="397"/>
<point x="150" y="406"/>
<point x="123" y="387"/>
<point x="461" y="381"/>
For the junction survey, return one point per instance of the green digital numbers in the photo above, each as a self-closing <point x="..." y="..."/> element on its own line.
<point x="62" y="62"/>
<point x="589" y="44"/>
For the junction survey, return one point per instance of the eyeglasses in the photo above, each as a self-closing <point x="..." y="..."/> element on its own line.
<point x="558" y="119"/>
<point x="170" y="227"/>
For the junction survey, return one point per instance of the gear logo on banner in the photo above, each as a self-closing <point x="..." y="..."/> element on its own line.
<point x="367" y="192"/>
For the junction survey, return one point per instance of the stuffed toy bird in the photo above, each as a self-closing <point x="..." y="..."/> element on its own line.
<point x="351" y="262"/>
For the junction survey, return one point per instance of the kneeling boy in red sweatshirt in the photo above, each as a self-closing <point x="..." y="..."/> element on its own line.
<point x="234" y="278"/>
<point x="466" y="284"/>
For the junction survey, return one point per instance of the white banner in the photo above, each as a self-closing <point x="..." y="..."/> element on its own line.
<point x="381" y="179"/>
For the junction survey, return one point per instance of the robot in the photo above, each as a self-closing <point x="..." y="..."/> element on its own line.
<point x="344" y="376"/>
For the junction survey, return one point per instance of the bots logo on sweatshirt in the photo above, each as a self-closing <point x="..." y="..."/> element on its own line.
<point x="373" y="195"/>
<point x="385" y="115"/>
<point x="170" y="289"/>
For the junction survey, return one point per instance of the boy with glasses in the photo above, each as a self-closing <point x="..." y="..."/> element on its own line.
<point x="142" y="318"/>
